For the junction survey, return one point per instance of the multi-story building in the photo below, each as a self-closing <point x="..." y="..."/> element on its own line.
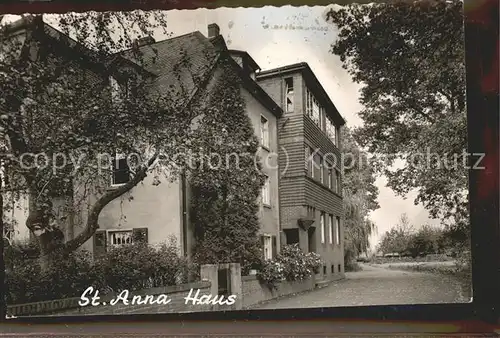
<point x="310" y="186"/>
<point x="292" y="116"/>
<point x="159" y="212"/>
<point x="163" y="211"/>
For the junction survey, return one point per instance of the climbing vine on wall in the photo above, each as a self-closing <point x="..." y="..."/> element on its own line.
<point x="226" y="179"/>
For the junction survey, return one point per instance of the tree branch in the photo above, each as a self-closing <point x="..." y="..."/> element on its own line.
<point x="93" y="218"/>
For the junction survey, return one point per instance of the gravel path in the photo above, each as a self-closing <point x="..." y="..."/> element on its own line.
<point x="376" y="285"/>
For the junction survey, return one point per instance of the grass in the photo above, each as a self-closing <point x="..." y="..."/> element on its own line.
<point x="462" y="273"/>
<point x="435" y="258"/>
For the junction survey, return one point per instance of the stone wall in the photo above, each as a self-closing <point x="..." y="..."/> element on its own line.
<point x="254" y="292"/>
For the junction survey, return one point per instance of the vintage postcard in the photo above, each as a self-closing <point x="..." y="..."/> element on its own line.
<point x="235" y="158"/>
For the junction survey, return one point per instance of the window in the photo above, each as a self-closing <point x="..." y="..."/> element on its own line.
<point x="331" y="130"/>
<point x="322" y="227"/>
<point x="264" y="132"/>
<point x="330" y="229"/>
<point x="330" y="178"/>
<point x="316" y="112"/>
<point x="313" y="159"/>
<point x="313" y="108"/>
<point x="289" y="94"/>
<point x="337" y="231"/>
<point x="337" y="181"/>
<point x="268" y="248"/>
<point x="266" y="192"/>
<point x="122" y="90"/>
<point x="106" y="238"/>
<point x="116" y="93"/>
<point x="322" y="117"/>
<point x="118" y="238"/>
<point x="310" y="166"/>
<point x="333" y="269"/>
<point x="321" y="170"/>
<point x="121" y="171"/>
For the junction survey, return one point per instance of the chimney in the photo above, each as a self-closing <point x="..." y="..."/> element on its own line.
<point x="147" y="40"/>
<point x="213" y="30"/>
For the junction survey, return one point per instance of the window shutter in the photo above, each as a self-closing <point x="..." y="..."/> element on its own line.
<point x="275" y="248"/>
<point x="99" y="243"/>
<point x="140" y="235"/>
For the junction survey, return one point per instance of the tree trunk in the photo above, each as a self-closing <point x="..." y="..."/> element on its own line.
<point x="39" y="224"/>
<point x="46" y="256"/>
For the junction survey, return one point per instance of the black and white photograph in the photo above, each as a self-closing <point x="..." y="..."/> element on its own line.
<point x="178" y="161"/>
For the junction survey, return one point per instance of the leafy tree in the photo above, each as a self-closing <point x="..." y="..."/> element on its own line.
<point x="56" y="100"/>
<point x="409" y="58"/>
<point x="397" y="240"/>
<point x="360" y="198"/>
<point x="425" y="241"/>
<point x="404" y="240"/>
<point x="226" y="181"/>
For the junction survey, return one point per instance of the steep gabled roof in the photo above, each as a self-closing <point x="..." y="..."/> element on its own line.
<point x="34" y="26"/>
<point x="181" y="61"/>
<point x="186" y="60"/>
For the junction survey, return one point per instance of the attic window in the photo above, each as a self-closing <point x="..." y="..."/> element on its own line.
<point x="289" y="94"/>
<point x="124" y="90"/>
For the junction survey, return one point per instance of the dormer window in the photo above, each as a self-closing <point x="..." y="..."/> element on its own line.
<point x="116" y="91"/>
<point x="120" y="91"/>
<point x="289" y="94"/>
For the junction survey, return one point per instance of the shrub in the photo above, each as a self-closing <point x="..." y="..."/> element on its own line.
<point x="314" y="261"/>
<point x="215" y="250"/>
<point x="132" y="267"/>
<point x="291" y="264"/>
<point x="297" y="265"/>
<point x="26" y="283"/>
<point x="271" y="273"/>
<point x="139" y="266"/>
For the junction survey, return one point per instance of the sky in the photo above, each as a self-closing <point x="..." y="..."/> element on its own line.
<point x="277" y="36"/>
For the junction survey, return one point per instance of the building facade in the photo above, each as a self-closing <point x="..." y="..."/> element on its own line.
<point x="156" y="213"/>
<point x="297" y="125"/>
<point x="310" y="187"/>
<point x="162" y="212"/>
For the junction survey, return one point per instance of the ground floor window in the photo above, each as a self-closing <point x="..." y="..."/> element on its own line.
<point x="117" y="238"/>
<point x="104" y="239"/>
<point x="269" y="244"/>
